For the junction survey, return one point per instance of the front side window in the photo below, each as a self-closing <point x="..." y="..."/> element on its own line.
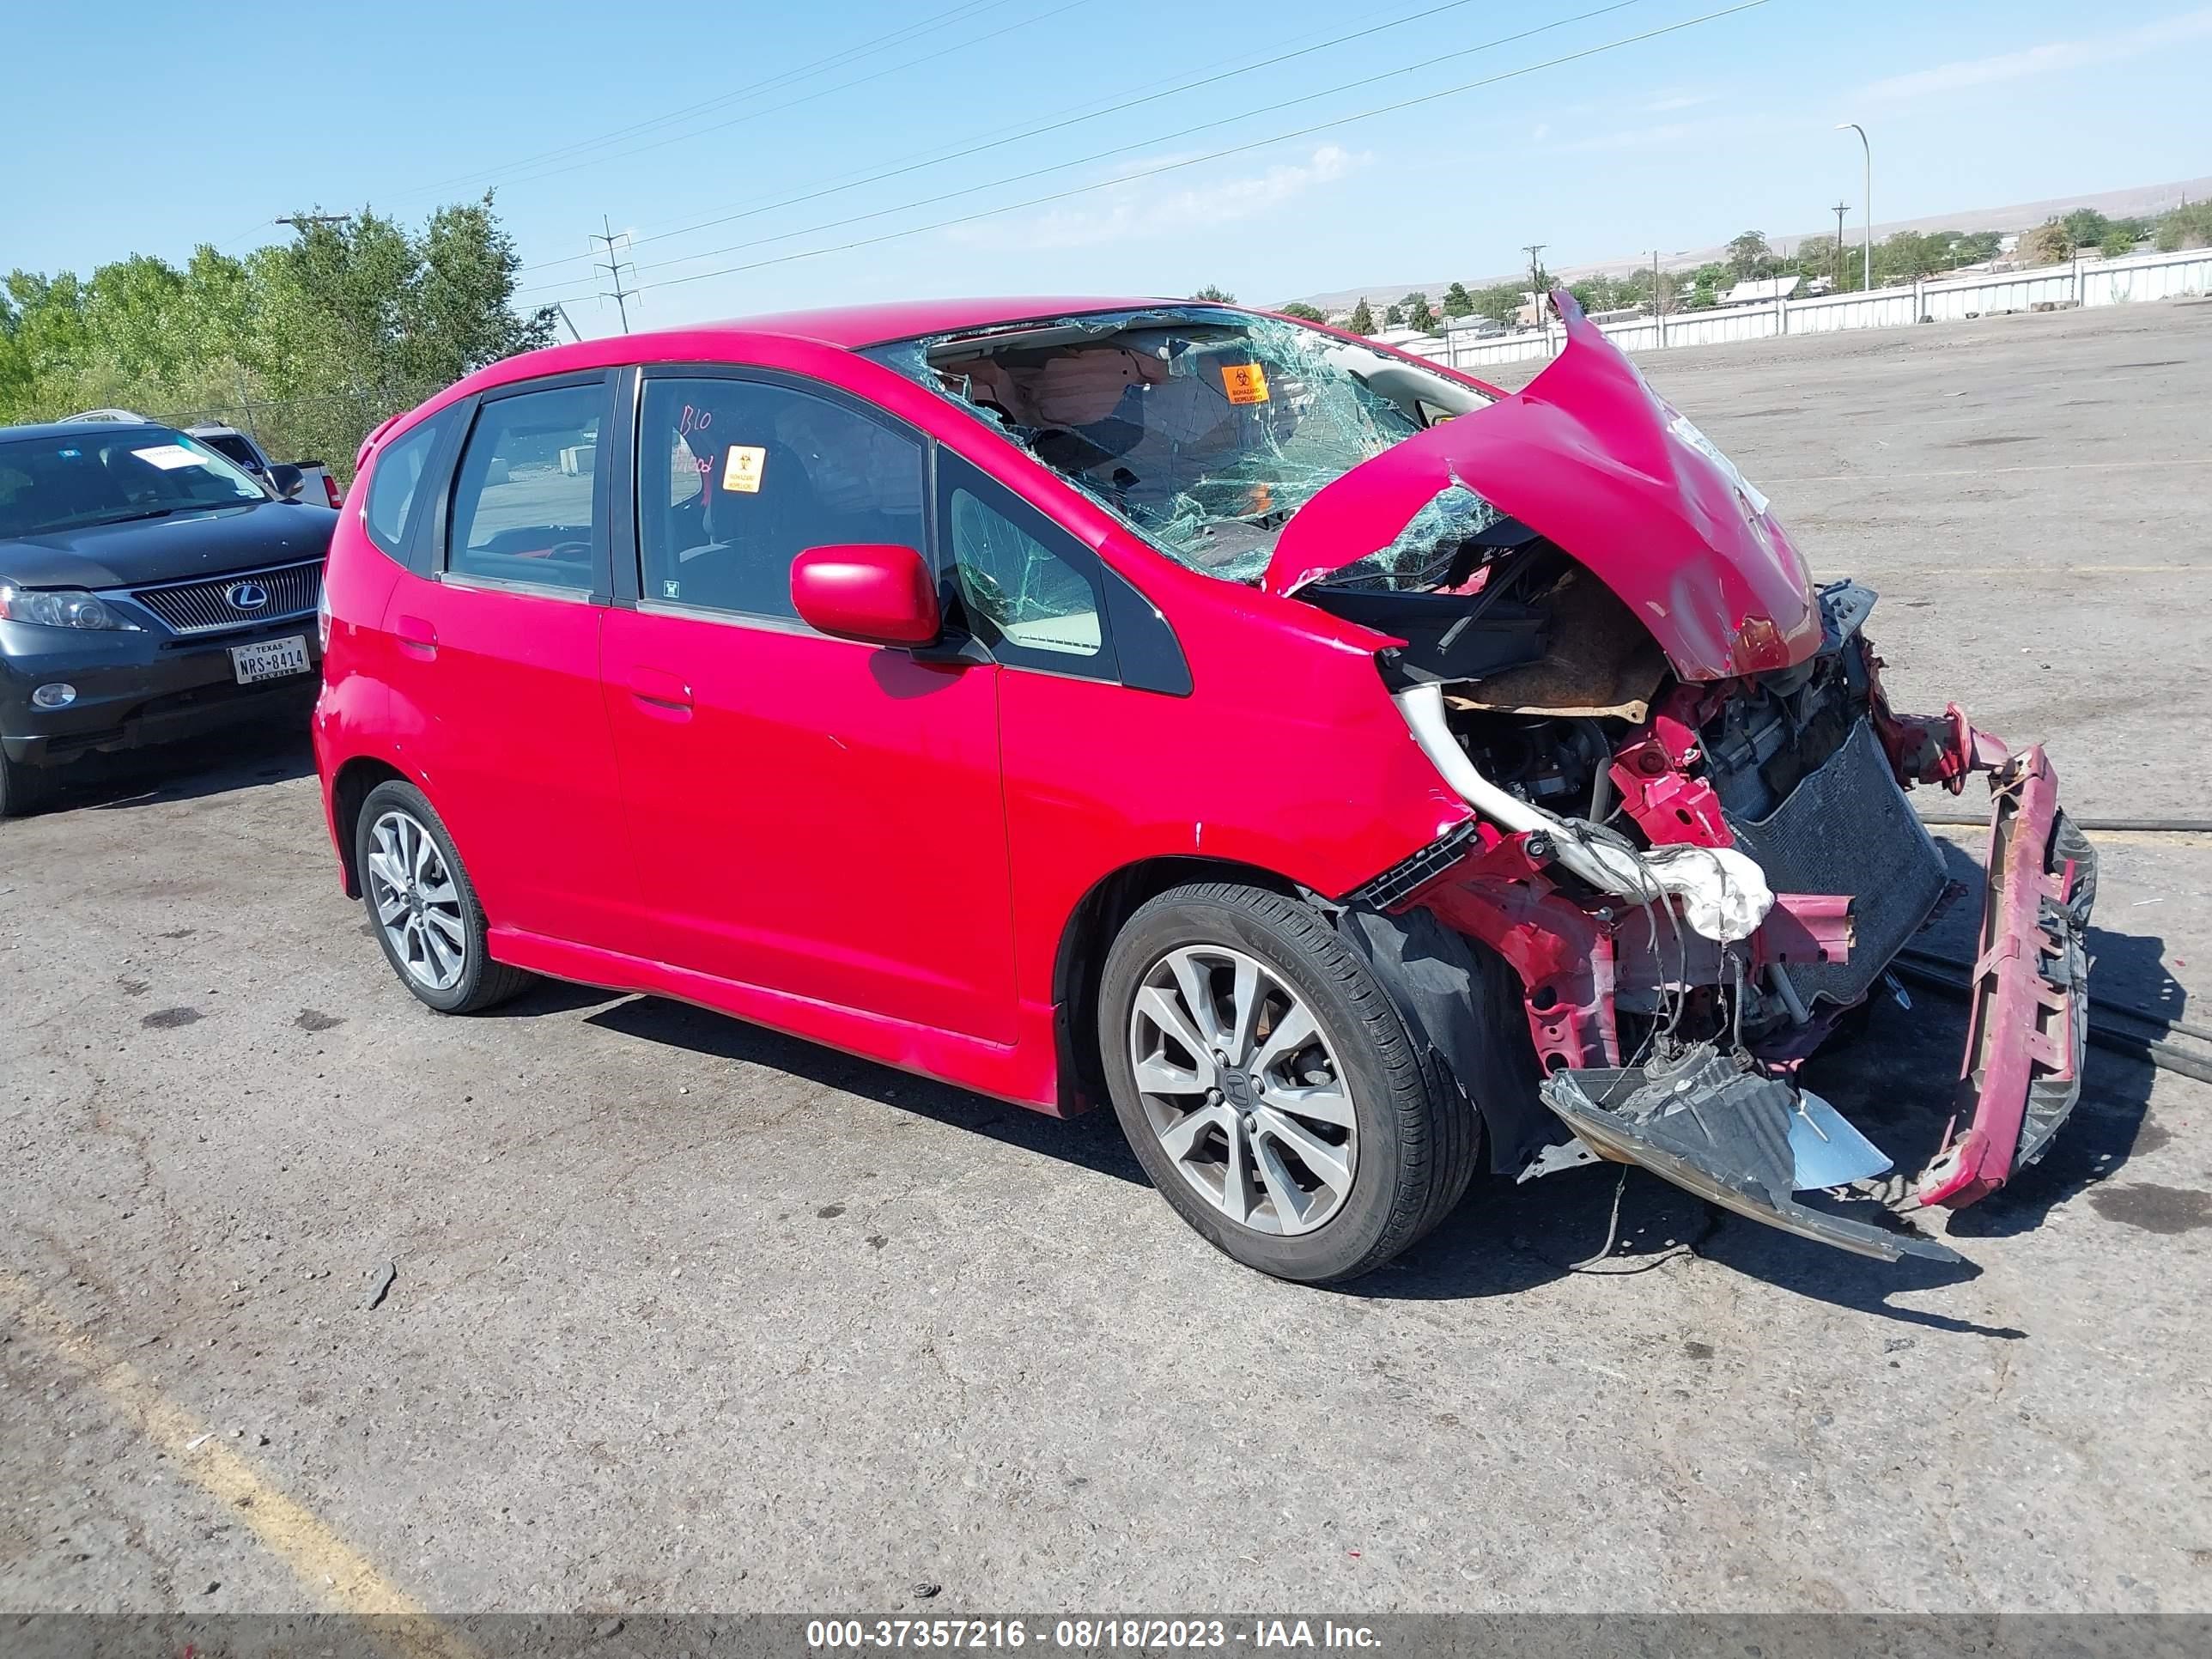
<point x="394" y="480"/>
<point x="526" y="496"/>
<point x="107" y="476"/>
<point x="735" y="479"/>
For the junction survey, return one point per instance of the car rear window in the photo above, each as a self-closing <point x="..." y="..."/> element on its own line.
<point x="236" y="448"/>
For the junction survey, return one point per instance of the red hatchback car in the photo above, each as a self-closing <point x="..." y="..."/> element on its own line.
<point x="1354" y="773"/>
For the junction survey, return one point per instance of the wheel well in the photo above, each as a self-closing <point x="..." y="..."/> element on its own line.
<point x="348" y="791"/>
<point x="1081" y="962"/>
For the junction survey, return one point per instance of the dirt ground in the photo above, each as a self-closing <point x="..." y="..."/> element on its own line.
<point x="686" y="1314"/>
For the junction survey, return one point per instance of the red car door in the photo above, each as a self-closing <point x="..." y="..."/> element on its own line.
<point x="494" y="647"/>
<point x="811" y="815"/>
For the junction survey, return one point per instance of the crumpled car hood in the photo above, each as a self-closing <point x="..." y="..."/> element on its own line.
<point x="1591" y="457"/>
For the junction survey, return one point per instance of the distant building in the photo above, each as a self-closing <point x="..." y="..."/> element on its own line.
<point x="1408" y="339"/>
<point x="1760" y="289"/>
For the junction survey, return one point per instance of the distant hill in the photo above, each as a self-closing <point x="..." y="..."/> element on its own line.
<point x="2141" y="200"/>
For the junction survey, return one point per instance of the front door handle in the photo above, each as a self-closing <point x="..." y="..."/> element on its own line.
<point x="416" y="636"/>
<point x="660" y="691"/>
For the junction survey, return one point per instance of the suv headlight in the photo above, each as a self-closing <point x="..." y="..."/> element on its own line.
<point x="57" y="607"/>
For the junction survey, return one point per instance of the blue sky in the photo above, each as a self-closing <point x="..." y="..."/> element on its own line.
<point x="167" y="126"/>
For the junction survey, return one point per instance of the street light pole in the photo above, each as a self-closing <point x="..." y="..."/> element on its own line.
<point x="1866" y="277"/>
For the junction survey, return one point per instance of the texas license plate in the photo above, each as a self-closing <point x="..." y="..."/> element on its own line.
<point x="270" y="660"/>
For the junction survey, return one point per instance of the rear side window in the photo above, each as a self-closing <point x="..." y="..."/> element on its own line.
<point x="527" y="495"/>
<point x="393" y="479"/>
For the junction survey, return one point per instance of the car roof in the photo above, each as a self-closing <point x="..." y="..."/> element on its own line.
<point x="10" y="435"/>
<point x="841" y="327"/>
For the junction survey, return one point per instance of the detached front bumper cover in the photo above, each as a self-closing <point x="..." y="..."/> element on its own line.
<point x="1719" y="1124"/>
<point x="2029" y="990"/>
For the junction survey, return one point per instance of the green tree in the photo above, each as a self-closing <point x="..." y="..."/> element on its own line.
<point x="1908" y="254"/>
<point x="1972" y="247"/>
<point x="1219" y="296"/>
<point x="1499" y="302"/>
<point x="1817" y="257"/>
<point x="1302" y="311"/>
<point x="2189" y="225"/>
<point x="1458" y="303"/>
<point x="1394" y="317"/>
<point x="2085" y="227"/>
<point x="1418" y="311"/>
<point x="1363" y="319"/>
<point x="1747" y="253"/>
<point x="309" y="344"/>
<point x="2116" y="243"/>
<point x="2046" y="244"/>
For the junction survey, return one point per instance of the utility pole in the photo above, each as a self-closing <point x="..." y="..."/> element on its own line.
<point x="1658" y="298"/>
<point x="613" y="267"/>
<point x="1536" y="286"/>
<point x="1866" y="280"/>
<point x="302" y="221"/>
<point x="1842" y="208"/>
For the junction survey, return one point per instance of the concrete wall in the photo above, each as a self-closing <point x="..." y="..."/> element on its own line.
<point x="2083" y="281"/>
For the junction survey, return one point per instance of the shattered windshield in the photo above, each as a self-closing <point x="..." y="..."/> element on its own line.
<point x="1205" y="429"/>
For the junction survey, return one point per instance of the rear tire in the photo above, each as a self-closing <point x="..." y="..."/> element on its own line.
<point x="24" y="789"/>
<point x="1313" y="1158"/>
<point x="423" y="907"/>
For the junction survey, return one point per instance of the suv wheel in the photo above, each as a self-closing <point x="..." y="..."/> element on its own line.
<point x="24" y="789"/>
<point x="422" y="906"/>
<point x="1267" y="1085"/>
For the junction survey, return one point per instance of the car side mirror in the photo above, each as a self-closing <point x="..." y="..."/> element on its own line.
<point x="873" y="592"/>
<point x="286" y="480"/>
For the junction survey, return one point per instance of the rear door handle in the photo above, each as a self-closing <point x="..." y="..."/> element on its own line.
<point x="661" y="692"/>
<point x="416" y="636"/>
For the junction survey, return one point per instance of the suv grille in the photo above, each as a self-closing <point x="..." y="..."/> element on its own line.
<point x="208" y="605"/>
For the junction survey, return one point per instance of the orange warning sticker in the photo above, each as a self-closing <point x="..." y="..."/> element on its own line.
<point x="1245" y="383"/>
<point x="741" y="469"/>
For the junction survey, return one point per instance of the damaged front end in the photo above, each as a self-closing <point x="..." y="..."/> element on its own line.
<point x="1692" y="841"/>
<point x="1688" y="840"/>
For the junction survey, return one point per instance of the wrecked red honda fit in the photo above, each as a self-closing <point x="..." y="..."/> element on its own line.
<point x="1358" y="775"/>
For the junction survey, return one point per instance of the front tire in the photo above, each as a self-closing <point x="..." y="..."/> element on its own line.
<point x="1269" y="1087"/>
<point x="421" y="906"/>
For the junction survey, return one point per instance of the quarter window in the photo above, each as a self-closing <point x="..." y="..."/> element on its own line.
<point x="735" y="479"/>
<point x="1024" y="599"/>
<point x="394" y="475"/>
<point x="525" y="498"/>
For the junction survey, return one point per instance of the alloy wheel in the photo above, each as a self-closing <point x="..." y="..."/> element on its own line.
<point x="1243" y="1089"/>
<point x="416" y="901"/>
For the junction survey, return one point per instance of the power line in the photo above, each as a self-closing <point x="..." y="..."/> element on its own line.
<point x="860" y="176"/>
<point x="620" y="295"/>
<point x="1215" y="156"/>
<point x="1139" y="144"/>
<point x="904" y="66"/>
<point x="899" y="36"/>
<point x="750" y="211"/>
